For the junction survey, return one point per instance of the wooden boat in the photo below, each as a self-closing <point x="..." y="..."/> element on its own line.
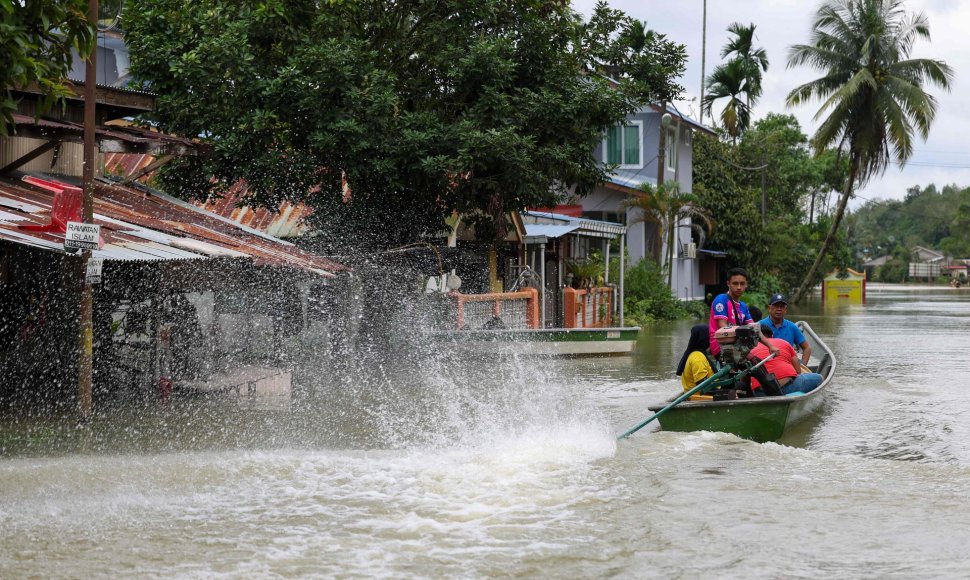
<point x="758" y="419"/>
<point x="544" y="341"/>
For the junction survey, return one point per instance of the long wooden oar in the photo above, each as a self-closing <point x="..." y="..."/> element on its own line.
<point x="688" y="394"/>
<point x="700" y="387"/>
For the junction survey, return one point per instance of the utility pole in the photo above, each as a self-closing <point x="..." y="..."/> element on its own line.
<point x="661" y="141"/>
<point x="764" y="198"/>
<point x="703" y="56"/>
<point x="85" y="366"/>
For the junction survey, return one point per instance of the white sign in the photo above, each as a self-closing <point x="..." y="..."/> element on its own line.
<point x="93" y="274"/>
<point x="82" y="236"/>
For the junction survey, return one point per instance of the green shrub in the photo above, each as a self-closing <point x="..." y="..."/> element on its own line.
<point x="761" y="288"/>
<point x="647" y="296"/>
<point x="895" y="270"/>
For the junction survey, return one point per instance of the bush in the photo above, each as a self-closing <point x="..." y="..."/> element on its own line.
<point x="648" y="298"/>
<point x="761" y="288"/>
<point x="895" y="270"/>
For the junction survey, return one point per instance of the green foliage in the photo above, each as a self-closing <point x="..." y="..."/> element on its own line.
<point x="792" y="175"/>
<point x="728" y="82"/>
<point x="926" y="217"/>
<point x="666" y="206"/>
<point x="772" y="165"/>
<point x="720" y="188"/>
<point x="648" y="296"/>
<point x="422" y="109"/>
<point x="761" y="289"/>
<point x="619" y="47"/>
<point x="895" y="270"/>
<point x="871" y="89"/>
<point x="585" y="271"/>
<point x="36" y="39"/>
<point x="754" y="60"/>
<point x="738" y="80"/>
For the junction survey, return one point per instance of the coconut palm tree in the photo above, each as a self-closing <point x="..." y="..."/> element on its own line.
<point x="666" y="207"/>
<point x="729" y="81"/>
<point x="754" y="60"/>
<point x="871" y="91"/>
<point x="739" y="79"/>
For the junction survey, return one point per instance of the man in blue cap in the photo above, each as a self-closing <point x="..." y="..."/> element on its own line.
<point x="786" y="329"/>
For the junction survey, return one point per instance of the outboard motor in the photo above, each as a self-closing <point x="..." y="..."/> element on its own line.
<point x="736" y="345"/>
<point x="737" y="341"/>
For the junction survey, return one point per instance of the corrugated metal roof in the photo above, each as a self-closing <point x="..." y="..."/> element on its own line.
<point x="139" y="225"/>
<point x="584" y="227"/>
<point x="549" y="231"/>
<point x="631" y="182"/>
<point x="286" y="222"/>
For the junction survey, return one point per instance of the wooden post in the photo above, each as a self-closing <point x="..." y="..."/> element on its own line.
<point x="569" y="308"/>
<point x="85" y="363"/>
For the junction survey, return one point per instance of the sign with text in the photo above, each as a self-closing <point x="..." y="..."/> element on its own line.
<point x="93" y="272"/>
<point x="82" y="236"/>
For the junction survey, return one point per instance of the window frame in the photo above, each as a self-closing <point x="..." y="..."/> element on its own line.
<point x="671" y="149"/>
<point x="639" y="164"/>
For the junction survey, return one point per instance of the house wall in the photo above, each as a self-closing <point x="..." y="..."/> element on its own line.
<point x="684" y="281"/>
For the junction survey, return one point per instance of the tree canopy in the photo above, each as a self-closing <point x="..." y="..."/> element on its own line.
<point x="36" y="42"/>
<point x="419" y="108"/>
<point x="770" y="168"/>
<point x="927" y="216"/>
<point x="739" y="80"/>
<point x="871" y="91"/>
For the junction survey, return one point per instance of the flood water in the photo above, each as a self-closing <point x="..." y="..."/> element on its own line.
<point x="512" y="469"/>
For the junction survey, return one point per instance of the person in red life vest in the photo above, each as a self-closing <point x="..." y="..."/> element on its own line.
<point x="785" y="366"/>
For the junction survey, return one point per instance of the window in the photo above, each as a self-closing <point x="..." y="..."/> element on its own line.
<point x="670" y="155"/>
<point x="623" y="145"/>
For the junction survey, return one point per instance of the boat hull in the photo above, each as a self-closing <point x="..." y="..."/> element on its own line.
<point x="544" y="342"/>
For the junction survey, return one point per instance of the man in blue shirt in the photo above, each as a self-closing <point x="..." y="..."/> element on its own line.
<point x="786" y="329"/>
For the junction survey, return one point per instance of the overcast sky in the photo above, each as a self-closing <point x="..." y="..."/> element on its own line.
<point x="943" y="159"/>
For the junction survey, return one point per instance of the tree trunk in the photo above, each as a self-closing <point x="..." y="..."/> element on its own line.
<point x="830" y="237"/>
<point x="670" y="257"/>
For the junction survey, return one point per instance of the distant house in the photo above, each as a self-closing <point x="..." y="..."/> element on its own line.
<point x="634" y="147"/>
<point x="926" y="264"/>
<point x="959" y="270"/>
<point x="871" y="266"/>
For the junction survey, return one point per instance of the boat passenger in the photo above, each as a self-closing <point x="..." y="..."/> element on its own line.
<point x="785" y="329"/>
<point x="756" y="313"/>
<point x="784" y="366"/>
<point x="728" y="310"/>
<point x="695" y="366"/>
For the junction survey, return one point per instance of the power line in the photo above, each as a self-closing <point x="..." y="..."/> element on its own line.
<point x="932" y="164"/>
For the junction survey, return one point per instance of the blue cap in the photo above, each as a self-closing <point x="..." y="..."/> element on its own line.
<point x="776" y="298"/>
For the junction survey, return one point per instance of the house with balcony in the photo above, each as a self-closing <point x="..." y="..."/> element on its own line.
<point x="634" y="149"/>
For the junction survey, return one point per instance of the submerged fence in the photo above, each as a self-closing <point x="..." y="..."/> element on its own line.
<point x="588" y="308"/>
<point x="511" y="310"/>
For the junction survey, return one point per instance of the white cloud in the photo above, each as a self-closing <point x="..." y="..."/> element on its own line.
<point x="943" y="159"/>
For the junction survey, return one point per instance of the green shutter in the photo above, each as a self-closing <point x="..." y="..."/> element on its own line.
<point x="631" y="145"/>
<point x="613" y="146"/>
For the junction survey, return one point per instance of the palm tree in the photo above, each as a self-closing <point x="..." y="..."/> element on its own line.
<point x="740" y="76"/>
<point x="871" y="89"/>
<point x="729" y="80"/>
<point x="666" y="207"/>
<point x="754" y="60"/>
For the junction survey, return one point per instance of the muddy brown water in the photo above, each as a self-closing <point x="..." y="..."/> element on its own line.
<point x="511" y="469"/>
